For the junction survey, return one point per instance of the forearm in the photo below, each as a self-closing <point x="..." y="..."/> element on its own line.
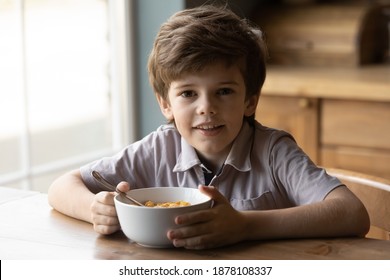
<point x="76" y="205"/>
<point x="336" y="216"/>
<point x="297" y="222"/>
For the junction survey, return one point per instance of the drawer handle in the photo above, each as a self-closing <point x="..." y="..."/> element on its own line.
<point x="304" y="103"/>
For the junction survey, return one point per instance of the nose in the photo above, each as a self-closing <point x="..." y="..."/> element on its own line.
<point x="207" y="105"/>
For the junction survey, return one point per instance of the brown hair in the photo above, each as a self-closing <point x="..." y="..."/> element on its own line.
<point x="193" y="38"/>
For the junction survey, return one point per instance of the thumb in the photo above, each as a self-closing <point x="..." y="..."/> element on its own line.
<point x="123" y="186"/>
<point x="213" y="193"/>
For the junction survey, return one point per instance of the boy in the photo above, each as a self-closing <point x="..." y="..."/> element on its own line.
<point x="207" y="68"/>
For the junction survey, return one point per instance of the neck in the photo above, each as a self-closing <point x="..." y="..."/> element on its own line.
<point x="213" y="164"/>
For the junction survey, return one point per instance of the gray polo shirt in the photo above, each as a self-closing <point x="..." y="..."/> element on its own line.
<point x="265" y="168"/>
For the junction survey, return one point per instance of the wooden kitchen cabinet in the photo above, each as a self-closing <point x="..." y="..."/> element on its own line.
<point x="356" y="135"/>
<point x="296" y="115"/>
<point x="339" y="117"/>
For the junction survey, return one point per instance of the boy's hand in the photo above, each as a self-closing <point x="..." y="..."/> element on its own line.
<point x="103" y="214"/>
<point x="215" y="227"/>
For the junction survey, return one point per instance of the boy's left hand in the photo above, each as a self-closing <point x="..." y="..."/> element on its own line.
<point x="218" y="226"/>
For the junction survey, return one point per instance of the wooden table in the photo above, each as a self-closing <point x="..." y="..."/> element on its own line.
<point x="31" y="229"/>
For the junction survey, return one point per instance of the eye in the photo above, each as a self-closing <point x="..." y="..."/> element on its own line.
<point x="188" y="94"/>
<point x="225" y="91"/>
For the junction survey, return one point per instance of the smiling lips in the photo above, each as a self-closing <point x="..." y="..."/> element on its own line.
<point x="209" y="130"/>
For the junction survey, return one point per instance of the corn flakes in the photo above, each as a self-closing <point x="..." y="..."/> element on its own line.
<point x="179" y="203"/>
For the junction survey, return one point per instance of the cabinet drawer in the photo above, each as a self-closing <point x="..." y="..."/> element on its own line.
<point x="356" y="124"/>
<point x="368" y="161"/>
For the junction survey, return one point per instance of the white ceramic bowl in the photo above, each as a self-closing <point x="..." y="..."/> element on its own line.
<point x="148" y="226"/>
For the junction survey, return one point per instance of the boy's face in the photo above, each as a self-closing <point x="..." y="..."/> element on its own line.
<point x="208" y="108"/>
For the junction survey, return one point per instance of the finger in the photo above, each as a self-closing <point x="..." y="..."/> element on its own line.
<point x="98" y="219"/>
<point x="195" y="217"/>
<point x="195" y="243"/>
<point x="213" y="193"/>
<point x="105" y="224"/>
<point x="98" y="208"/>
<point x="106" y="229"/>
<point x="106" y="198"/>
<point x="185" y="239"/>
<point x="188" y="231"/>
<point x="123" y="186"/>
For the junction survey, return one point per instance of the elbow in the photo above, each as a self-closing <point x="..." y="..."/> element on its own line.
<point x="365" y="224"/>
<point x="362" y="220"/>
<point x="54" y="193"/>
<point x="51" y="196"/>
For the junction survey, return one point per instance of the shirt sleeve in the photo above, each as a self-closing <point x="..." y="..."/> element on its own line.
<point x="132" y="164"/>
<point x="113" y="169"/>
<point x="293" y="170"/>
<point x="142" y="164"/>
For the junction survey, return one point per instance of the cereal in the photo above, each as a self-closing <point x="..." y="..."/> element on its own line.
<point x="179" y="203"/>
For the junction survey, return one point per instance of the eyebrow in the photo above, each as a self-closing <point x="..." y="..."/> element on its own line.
<point x="183" y="86"/>
<point x="229" y="83"/>
<point x="193" y="84"/>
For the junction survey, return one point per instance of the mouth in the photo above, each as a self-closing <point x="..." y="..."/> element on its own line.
<point x="209" y="129"/>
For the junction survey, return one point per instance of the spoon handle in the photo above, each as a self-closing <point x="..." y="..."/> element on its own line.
<point x="99" y="178"/>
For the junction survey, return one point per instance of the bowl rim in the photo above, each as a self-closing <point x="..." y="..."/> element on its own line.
<point x="116" y="199"/>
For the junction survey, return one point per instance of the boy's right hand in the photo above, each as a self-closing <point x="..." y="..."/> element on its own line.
<point x="103" y="214"/>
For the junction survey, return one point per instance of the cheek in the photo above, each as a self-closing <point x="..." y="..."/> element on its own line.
<point x="181" y="116"/>
<point x="236" y="107"/>
<point x="180" y="108"/>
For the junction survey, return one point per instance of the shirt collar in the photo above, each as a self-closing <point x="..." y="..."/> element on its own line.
<point x="187" y="158"/>
<point x="239" y="155"/>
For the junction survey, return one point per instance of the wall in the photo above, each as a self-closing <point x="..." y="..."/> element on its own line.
<point x="149" y="15"/>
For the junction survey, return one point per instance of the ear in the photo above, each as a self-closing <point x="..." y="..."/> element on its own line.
<point x="165" y="107"/>
<point x="251" y="105"/>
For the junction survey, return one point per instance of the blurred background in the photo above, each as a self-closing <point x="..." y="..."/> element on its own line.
<point x="74" y="85"/>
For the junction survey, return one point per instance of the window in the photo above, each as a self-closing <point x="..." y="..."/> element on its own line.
<point x="64" y="88"/>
